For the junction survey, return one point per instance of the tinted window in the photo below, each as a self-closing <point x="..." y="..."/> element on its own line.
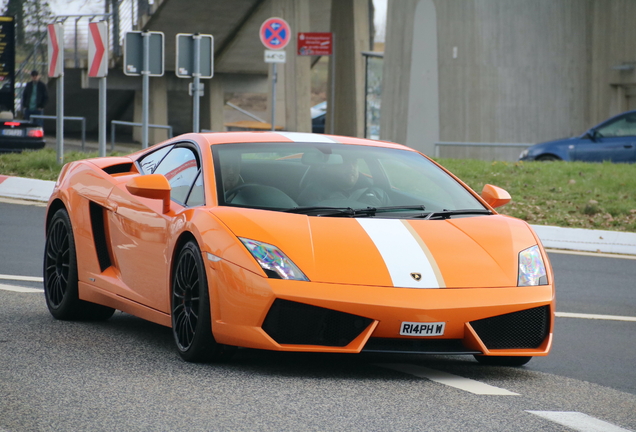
<point x="180" y="167"/>
<point x="624" y="126"/>
<point x="149" y="163"/>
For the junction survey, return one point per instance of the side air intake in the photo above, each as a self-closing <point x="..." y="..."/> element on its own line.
<point x="523" y="329"/>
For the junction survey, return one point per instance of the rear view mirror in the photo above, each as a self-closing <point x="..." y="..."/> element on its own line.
<point x="495" y="196"/>
<point x="154" y="186"/>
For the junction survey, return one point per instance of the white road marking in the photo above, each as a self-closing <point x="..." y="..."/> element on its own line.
<point x="456" y="381"/>
<point x="20" y="289"/>
<point x="579" y="421"/>
<point x="596" y="317"/>
<point x="591" y="254"/>
<point x="21" y="278"/>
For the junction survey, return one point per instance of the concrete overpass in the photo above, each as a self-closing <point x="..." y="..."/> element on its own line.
<point x="238" y="64"/>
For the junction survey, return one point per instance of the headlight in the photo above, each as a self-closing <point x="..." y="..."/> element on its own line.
<point x="523" y="154"/>
<point x="531" y="268"/>
<point x="273" y="261"/>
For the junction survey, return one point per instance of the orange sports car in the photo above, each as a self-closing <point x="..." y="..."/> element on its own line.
<point x="297" y="242"/>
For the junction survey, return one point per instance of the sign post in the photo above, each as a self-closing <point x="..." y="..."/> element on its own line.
<point x="321" y="44"/>
<point x="195" y="59"/>
<point x="98" y="68"/>
<point x="143" y="55"/>
<point x="275" y="34"/>
<point x="55" y="39"/>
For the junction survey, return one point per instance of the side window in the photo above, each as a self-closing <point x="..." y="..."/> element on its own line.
<point x="196" y="197"/>
<point x="149" y="163"/>
<point x="624" y="126"/>
<point x="180" y="167"/>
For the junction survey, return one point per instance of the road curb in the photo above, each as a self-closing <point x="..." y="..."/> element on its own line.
<point x="552" y="237"/>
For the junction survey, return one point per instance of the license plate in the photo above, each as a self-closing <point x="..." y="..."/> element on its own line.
<point x="12" y="132"/>
<point x="422" y="329"/>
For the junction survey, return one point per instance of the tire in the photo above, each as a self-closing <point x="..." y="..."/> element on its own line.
<point x="191" y="320"/>
<point x="60" y="275"/>
<point x="548" y="158"/>
<point x="502" y="360"/>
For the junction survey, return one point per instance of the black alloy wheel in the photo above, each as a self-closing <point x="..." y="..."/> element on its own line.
<point x="60" y="275"/>
<point x="191" y="320"/>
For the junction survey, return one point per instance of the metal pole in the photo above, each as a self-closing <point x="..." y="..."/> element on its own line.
<point x="274" y="79"/>
<point x="145" y="76"/>
<point x="196" y="74"/>
<point x="332" y="108"/>
<point x="102" y="117"/>
<point x="59" y="122"/>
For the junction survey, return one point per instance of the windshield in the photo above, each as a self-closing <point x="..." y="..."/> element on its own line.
<point x="324" y="177"/>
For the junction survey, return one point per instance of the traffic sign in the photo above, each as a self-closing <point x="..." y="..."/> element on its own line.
<point x="275" y="56"/>
<point x="98" y="49"/>
<point x="275" y="33"/>
<point x="55" y="36"/>
<point x="315" y="44"/>
<point x="134" y="53"/>
<point x="185" y="57"/>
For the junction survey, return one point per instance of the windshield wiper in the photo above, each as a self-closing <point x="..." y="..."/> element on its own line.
<point x="351" y="212"/>
<point x="446" y="214"/>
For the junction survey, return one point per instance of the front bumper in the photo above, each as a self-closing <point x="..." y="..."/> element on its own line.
<point x="256" y="312"/>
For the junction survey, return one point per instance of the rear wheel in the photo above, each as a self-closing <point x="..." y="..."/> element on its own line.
<point x="502" y="360"/>
<point x="60" y="275"/>
<point x="191" y="320"/>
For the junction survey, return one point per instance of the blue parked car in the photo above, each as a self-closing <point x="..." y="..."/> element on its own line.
<point x="613" y="140"/>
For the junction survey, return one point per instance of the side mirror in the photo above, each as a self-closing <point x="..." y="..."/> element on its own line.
<point x="154" y="186"/>
<point x="495" y="196"/>
<point x="591" y="135"/>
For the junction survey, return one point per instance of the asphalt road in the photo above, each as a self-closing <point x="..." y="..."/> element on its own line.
<point x="123" y="374"/>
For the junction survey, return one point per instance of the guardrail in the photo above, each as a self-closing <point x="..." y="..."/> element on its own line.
<point x="125" y="123"/>
<point x="82" y="119"/>
<point x="498" y="148"/>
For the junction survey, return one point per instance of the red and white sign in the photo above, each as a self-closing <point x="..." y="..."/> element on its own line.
<point x="55" y="38"/>
<point x="275" y="33"/>
<point x="97" y="49"/>
<point x="315" y="44"/>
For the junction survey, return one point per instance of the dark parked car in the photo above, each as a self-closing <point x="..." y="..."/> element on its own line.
<point x="613" y="140"/>
<point x="19" y="135"/>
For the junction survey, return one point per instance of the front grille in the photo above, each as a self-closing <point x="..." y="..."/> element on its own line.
<point x="523" y="329"/>
<point x="417" y="346"/>
<point x="294" y="323"/>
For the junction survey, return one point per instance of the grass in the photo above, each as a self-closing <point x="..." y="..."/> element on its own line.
<point x="567" y="194"/>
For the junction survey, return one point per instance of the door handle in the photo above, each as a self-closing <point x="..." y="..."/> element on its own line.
<point x="628" y="145"/>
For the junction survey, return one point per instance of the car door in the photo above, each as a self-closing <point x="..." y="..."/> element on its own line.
<point x="613" y="141"/>
<point x="140" y="231"/>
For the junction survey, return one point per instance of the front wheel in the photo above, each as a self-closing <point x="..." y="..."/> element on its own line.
<point x="60" y="275"/>
<point x="502" y="360"/>
<point x="191" y="320"/>
<point x="548" y="158"/>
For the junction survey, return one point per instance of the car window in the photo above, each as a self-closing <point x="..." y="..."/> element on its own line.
<point x="149" y="163"/>
<point x="181" y="168"/>
<point x="624" y="126"/>
<point x="196" y="197"/>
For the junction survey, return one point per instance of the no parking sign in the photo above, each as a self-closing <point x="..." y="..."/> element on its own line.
<point x="275" y="33"/>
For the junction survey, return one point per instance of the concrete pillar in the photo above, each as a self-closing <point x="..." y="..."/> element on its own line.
<point x="157" y="113"/>
<point x="212" y="105"/>
<point x="294" y="77"/>
<point x="410" y="88"/>
<point x="350" y="25"/>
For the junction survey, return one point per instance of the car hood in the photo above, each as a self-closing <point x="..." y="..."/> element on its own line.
<point x="467" y="252"/>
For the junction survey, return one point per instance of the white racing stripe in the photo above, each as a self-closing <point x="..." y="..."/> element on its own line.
<point x="402" y="253"/>
<point x="21" y="278"/>
<point x="20" y="289"/>
<point x="596" y="317"/>
<point x="451" y="380"/>
<point x="307" y="137"/>
<point x="578" y="421"/>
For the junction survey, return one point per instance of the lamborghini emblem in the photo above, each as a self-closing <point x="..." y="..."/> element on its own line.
<point x="416" y="276"/>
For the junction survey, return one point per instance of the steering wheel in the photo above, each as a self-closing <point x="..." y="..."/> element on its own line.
<point x="231" y="194"/>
